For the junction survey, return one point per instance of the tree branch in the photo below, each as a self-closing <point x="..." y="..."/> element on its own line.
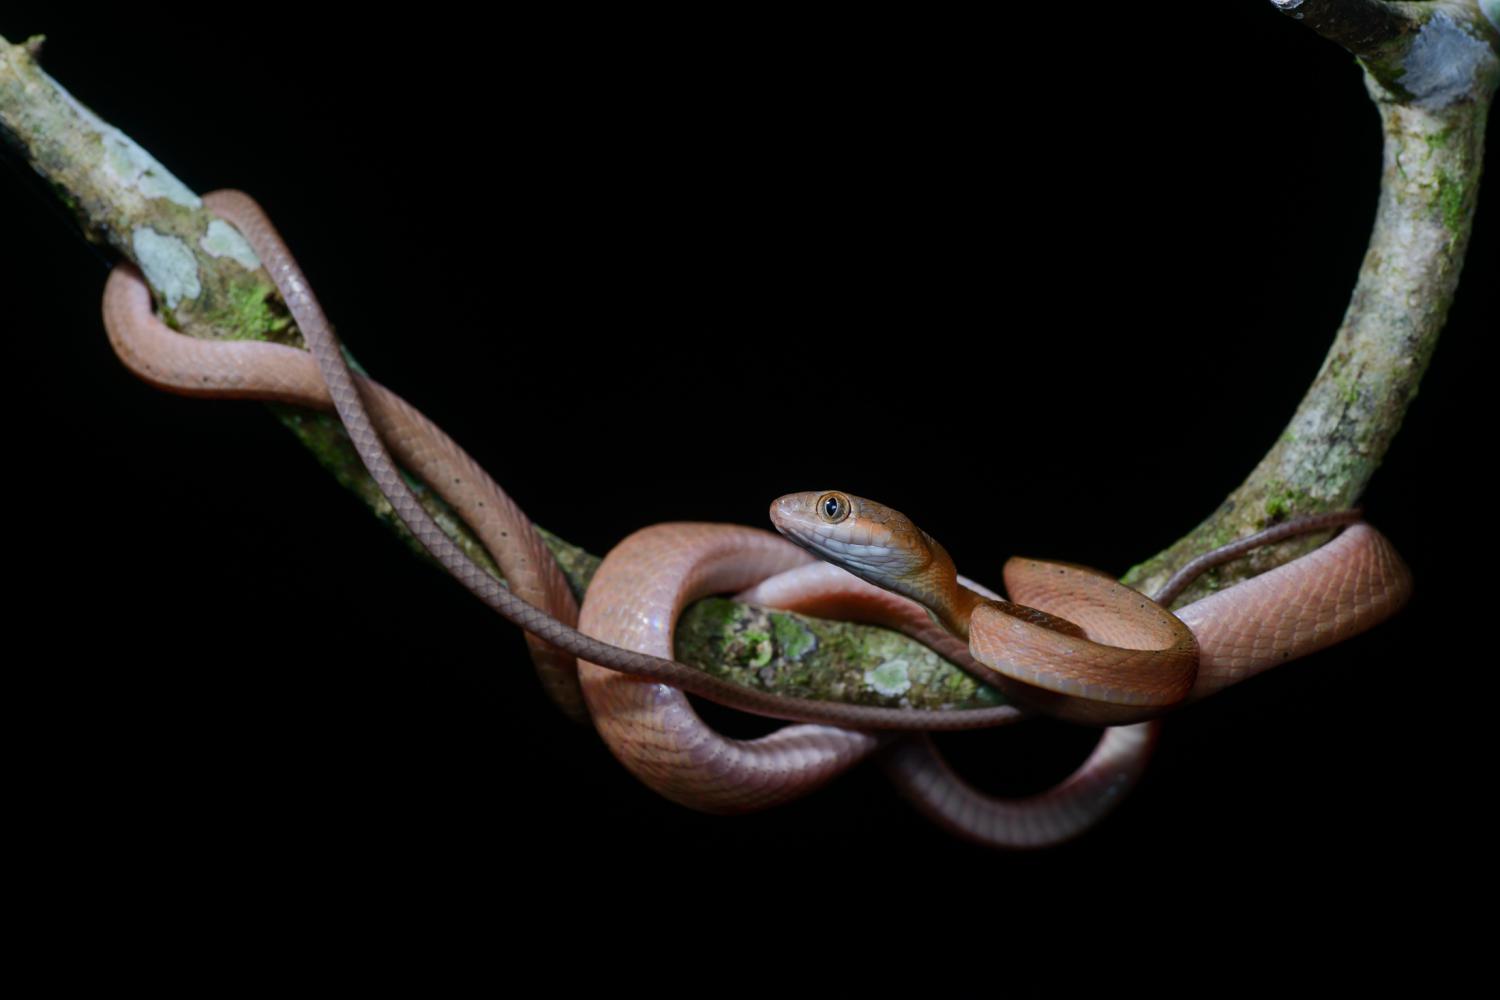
<point x="1434" y="148"/>
<point x="1364" y="27"/>
<point x="1431" y="67"/>
<point x="1422" y="51"/>
<point x="121" y="196"/>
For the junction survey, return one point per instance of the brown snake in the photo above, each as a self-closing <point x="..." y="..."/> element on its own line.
<point x="253" y="369"/>
<point x="648" y="724"/>
<point x="645" y="582"/>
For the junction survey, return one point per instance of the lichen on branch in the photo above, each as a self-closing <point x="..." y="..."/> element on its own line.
<point x="208" y="284"/>
<point x="1431" y="69"/>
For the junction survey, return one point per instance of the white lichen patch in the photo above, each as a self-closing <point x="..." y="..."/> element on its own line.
<point x="891" y="678"/>
<point x="223" y="240"/>
<point x="1444" y="63"/>
<point x="126" y="163"/>
<point x="168" y="263"/>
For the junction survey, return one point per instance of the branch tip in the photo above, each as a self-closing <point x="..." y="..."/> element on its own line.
<point x="1364" y="27"/>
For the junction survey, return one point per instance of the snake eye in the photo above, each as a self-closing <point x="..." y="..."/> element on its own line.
<point x="833" y="507"/>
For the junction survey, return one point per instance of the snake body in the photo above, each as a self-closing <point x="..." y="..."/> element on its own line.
<point x="634" y="600"/>
<point x="1329" y="595"/>
<point x="243" y="369"/>
<point x="150" y="349"/>
<point x="644" y="583"/>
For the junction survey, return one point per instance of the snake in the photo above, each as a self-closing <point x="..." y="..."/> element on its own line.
<point x="376" y="421"/>
<point x="1132" y="660"/>
<point x="881" y="568"/>
<point x="625" y="679"/>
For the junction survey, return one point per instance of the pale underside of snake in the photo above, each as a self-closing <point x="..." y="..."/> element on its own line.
<point x="633" y="693"/>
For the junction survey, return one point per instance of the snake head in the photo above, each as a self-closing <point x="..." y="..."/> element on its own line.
<point x="870" y="540"/>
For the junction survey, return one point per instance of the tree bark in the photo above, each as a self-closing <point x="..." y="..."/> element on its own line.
<point x="1430" y="67"/>
<point x="1433" y="123"/>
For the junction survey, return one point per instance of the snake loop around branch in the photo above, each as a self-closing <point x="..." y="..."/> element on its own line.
<point x="1317" y="600"/>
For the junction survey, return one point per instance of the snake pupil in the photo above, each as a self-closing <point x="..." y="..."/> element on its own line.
<point x="833" y="508"/>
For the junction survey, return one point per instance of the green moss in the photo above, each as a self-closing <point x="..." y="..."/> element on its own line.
<point x="717" y="614"/>
<point x="794" y="641"/>
<point x="256" y="315"/>
<point x="1388" y="67"/>
<point x="756" y="648"/>
<point x="68" y="199"/>
<point x="1344" y="382"/>
<point x="1282" y="501"/>
<point x="1437" y="140"/>
<point x="958" y="685"/>
<point x="325" y="437"/>
<point x="1450" y="203"/>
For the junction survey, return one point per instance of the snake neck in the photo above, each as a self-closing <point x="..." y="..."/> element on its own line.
<point x="958" y="602"/>
<point x="937" y="589"/>
<point x="1037" y="617"/>
<point x="954" y="612"/>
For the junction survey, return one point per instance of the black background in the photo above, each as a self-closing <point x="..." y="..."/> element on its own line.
<point x="1050" y="288"/>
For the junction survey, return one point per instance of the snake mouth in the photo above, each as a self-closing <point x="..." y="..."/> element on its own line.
<point x="792" y="516"/>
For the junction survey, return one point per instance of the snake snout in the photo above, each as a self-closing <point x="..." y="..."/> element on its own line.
<point x="793" y="514"/>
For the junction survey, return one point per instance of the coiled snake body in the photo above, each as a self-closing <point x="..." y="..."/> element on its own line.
<point x="631" y="685"/>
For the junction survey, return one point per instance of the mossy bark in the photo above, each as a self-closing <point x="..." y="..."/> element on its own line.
<point x="122" y="197"/>
<point x="1432" y="80"/>
<point x="1434" y="124"/>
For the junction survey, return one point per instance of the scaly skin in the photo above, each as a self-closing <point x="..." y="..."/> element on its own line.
<point x="244" y="369"/>
<point x="1077" y="644"/>
<point x="261" y="370"/>
<point x="1350" y="587"/>
<point x="1337" y="591"/>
